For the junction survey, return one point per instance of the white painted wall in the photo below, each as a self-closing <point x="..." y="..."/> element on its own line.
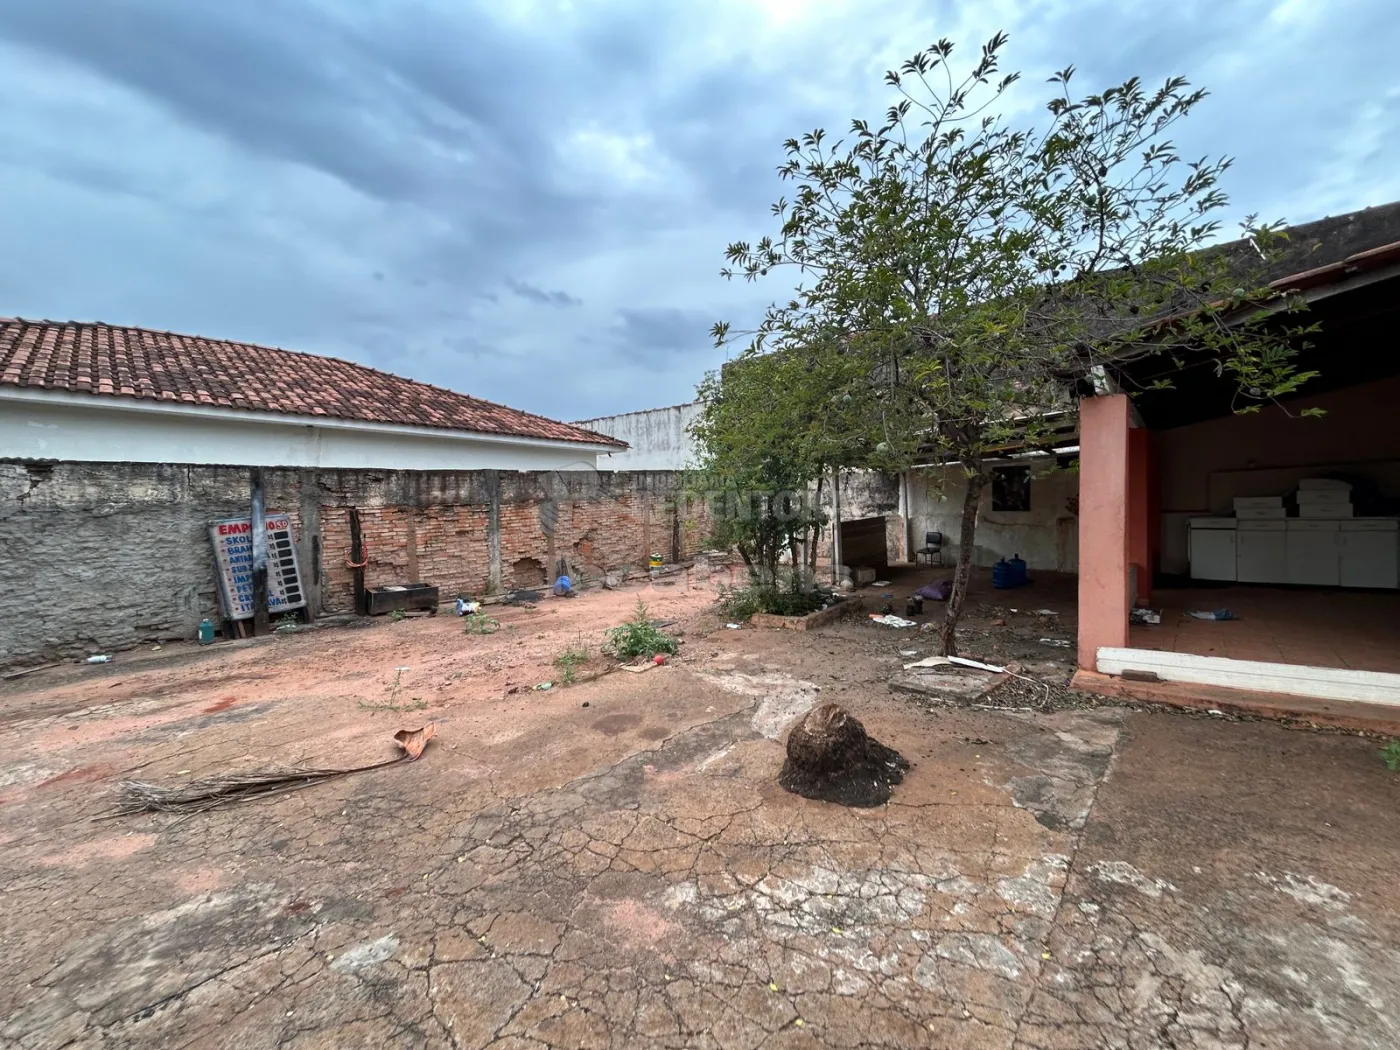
<point x="1046" y="536"/>
<point x="659" y="438"/>
<point x="86" y="428"/>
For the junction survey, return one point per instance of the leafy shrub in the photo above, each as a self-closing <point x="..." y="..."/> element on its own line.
<point x="740" y="603"/>
<point x="637" y="637"/>
<point x="479" y="623"/>
<point x="570" y="660"/>
<point x="1390" y="755"/>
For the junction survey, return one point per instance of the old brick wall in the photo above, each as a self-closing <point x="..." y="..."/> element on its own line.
<point x="103" y="556"/>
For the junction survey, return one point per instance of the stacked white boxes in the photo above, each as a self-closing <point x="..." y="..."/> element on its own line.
<point x="1323" y="498"/>
<point x="1260" y="507"/>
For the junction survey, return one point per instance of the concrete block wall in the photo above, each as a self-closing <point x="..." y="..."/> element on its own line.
<point x="106" y="556"/>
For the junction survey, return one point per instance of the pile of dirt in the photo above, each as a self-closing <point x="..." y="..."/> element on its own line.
<point x="830" y="757"/>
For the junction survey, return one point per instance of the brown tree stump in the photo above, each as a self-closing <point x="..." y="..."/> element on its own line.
<point x="830" y="757"/>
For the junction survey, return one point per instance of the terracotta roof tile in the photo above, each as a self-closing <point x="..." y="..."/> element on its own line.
<point x="111" y="361"/>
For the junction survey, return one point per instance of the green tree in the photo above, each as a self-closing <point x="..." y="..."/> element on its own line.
<point x="762" y="463"/>
<point x="962" y="271"/>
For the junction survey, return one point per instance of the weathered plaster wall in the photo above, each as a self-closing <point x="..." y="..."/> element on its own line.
<point x="870" y="494"/>
<point x="659" y="438"/>
<point x="102" y="556"/>
<point x="1046" y="536"/>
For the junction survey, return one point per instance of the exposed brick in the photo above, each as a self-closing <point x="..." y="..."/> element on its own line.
<point x="124" y="553"/>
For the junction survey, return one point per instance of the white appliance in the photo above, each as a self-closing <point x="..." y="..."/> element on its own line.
<point x="1212" y="548"/>
<point x="1261" y="549"/>
<point x="1369" y="552"/>
<point x="1312" y="549"/>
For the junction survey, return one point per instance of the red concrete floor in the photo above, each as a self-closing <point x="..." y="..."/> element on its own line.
<point x="1319" y="627"/>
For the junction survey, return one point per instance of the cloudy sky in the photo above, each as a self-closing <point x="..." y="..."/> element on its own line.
<point x="528" y="200"/>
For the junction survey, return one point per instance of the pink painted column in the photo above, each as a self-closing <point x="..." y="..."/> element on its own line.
<point x="1103" y="525"/>
<point x="1140" y="485"/>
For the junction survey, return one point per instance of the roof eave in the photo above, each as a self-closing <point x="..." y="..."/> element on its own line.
<point x="123" y="403"/>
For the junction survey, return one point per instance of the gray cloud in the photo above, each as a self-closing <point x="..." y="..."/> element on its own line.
<point x="363" y="179"/>
<point x="659" y="335"/>
<point x="533" y="294"/>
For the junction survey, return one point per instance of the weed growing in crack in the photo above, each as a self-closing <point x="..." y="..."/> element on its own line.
<point x="637" y="637"/>
<point x="392" y="703"/>
<point x="397" y="615"/>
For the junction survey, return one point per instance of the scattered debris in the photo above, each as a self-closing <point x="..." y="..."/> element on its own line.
<point x="467" y="606"/>
<point x="831" y="758"/>
<point x="27" y="670"/>
<point x="98" y="659"/>
<point x="520" y="597"/>
<point x="880" y="583"/>
<point x="890" y="620"/>
<point x="638" y="668"/>
<point x="413" y="741"/>
<point x="996" y="623"/>
<point x="563" y="587"/>
<point x="909" y="652"/>
<point x="544" y="686"/>
<point x="1145" y="616"/>
<point x="1044" y="612"/>
<point x="209" y="792"/>
<point x="1213" y="614"/>
<point x="1058" y="643"/>
<point x="938" y="591"/>
<point x="735" y="626"/>
<point x="961" y="661"/>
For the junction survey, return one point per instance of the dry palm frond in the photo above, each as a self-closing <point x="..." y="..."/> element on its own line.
<point x="209" y="792"/>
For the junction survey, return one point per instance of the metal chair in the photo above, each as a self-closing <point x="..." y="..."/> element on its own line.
<point x="933" y="547"/>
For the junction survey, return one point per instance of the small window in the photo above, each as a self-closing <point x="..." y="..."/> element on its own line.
<point x="1011" y="488"/>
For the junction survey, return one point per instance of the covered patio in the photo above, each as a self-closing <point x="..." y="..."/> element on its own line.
<point x="1289" y="522"/>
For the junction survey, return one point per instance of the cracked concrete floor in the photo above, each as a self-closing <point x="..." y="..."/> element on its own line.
<point x="627" y="874"/>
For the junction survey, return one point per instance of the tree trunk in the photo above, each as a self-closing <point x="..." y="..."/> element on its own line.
<point x="748" y="563"/>
<point x="962" y="575"/>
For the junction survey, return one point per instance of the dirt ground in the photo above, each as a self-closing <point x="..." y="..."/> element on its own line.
<point x="611" y="864"/>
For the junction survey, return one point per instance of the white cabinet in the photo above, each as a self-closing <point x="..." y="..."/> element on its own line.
<point x="1313" y="552"/>
<point x="1369" y="552"/>
<point x="1352" y="552"/>
<point x="1213" y="549"/>
<point x="1261" y="552"/>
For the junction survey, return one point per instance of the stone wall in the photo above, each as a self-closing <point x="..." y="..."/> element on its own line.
<point x="106" y="556"/>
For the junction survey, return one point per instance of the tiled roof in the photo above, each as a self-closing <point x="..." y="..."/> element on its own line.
<point x="111" y="361"/>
